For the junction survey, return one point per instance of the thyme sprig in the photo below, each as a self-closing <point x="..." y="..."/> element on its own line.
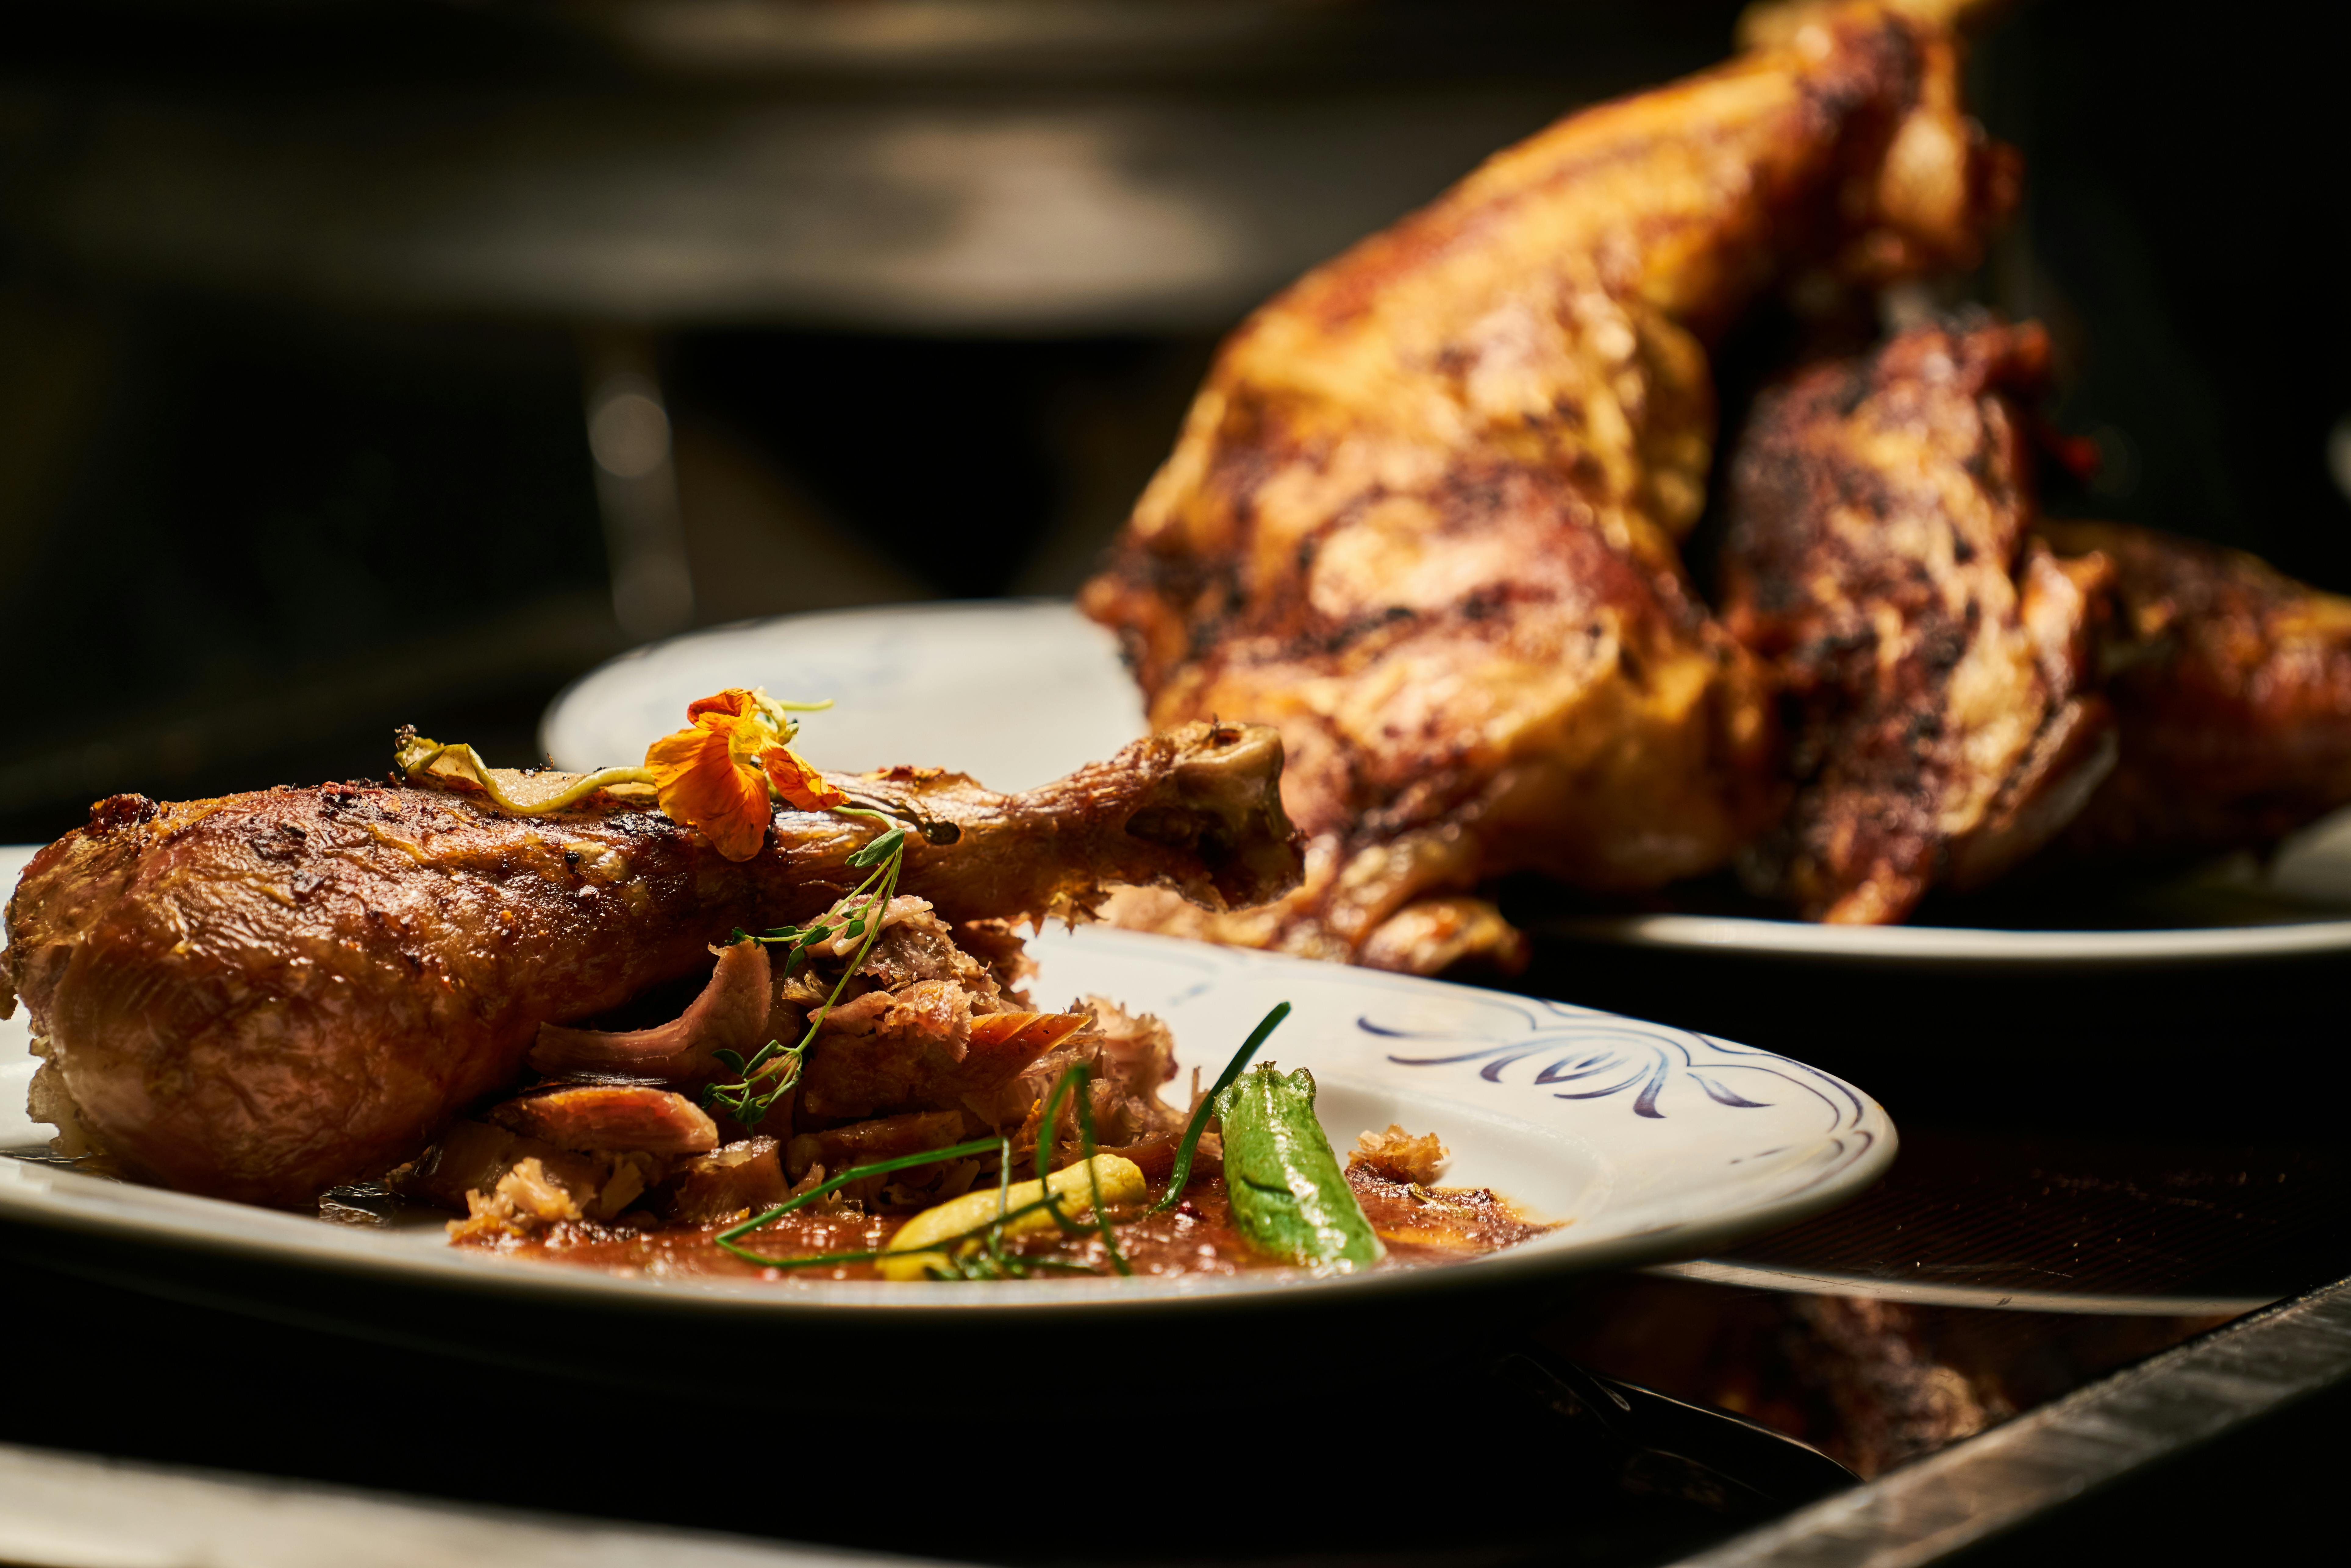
<point x="744" y="1098"/>
<point x="881" y="858"/>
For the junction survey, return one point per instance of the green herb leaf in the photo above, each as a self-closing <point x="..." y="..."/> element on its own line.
<point x="865" y="924"/>
<point x="1073" y="1084"/>
<point x="1198" y="1124"/>
<point x="1289" y="1198"/>
<point x="1093" y="1175"/>
<point x="881" y="849"/>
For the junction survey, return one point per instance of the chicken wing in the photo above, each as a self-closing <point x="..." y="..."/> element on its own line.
<point x="1423" y="514"/>
<point x="1934" y="657"/>
<point x="260" y="995"/>
<point x="2232" y="685"/>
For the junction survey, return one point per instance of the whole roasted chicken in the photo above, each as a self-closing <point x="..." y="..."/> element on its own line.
<point x="261" y="996"/>
<point x="1422" y="516"/>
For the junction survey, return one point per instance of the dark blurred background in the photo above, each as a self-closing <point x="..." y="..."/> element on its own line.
<point x="368" y="363"/>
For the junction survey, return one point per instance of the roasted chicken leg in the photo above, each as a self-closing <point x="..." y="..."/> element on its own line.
<point x="1935" y="658"/>
<point x="1964" y="683"/>
<point x="2232" y="685"/>
<point x="1423" y="515"/>
<point x="260" y="996"/>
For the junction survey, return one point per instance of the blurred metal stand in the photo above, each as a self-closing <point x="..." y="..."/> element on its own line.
<point x="636" y="484"/>
<point x="1033" y="166"/>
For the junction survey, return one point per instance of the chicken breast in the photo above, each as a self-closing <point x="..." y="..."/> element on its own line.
<point x="1423" y="515"/>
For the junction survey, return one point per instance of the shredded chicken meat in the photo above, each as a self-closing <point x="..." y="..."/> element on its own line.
<point x="932" y="1041"/>
<point x="1399" y="1156"/>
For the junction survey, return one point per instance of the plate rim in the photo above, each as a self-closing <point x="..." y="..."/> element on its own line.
<point x="1986" y="946"/>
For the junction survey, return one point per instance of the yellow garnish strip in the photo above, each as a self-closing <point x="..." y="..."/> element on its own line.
<point x="1121" y="1181"/>
<point x="416" y="758"/>
<point x="720" y="774"/>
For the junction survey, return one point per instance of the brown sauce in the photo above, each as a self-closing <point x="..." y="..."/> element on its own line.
<point x="1421" y="1227"/>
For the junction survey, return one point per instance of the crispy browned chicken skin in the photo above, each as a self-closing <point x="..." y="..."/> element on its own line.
<point x="1422" y="516"/>
<point x="260" y="996"/>
<point x="1933" y="656"/>
<point x="2232" y="685"/>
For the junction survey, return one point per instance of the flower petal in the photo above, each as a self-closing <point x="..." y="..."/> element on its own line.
<point x="734" y="701"/>
<point x="701" y="785"/>
<point x="796" y="781"/>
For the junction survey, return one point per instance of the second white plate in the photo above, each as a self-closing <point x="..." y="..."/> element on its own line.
<point x="1018" y="692"/>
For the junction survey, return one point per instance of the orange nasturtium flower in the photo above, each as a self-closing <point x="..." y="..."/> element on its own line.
<point x="715" y="774"/>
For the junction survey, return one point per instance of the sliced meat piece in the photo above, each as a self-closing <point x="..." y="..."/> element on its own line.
<point x="913" y="944"/>
<point x="1399" y="1156"/>
<point x="1001" y="1044"/>
<point x="921" y="1047"/>
<point x="472" y="1156"/>
<point x="741" y="1177"/>
<point x="1127" y="1057"/>
<point x="519" y="1182"/>
<point x="883" y="1138"/>
<point x="1003" y="952"/>
<point x="620" y="1117"/>
<point x="730" y="1014"/>
<point x="886" y="1050"/>
<point x="919" y="1022"/>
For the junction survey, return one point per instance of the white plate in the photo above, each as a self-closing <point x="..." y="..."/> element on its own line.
<point x="1016" y="693"/>
<point x="1648" y="1142"/>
